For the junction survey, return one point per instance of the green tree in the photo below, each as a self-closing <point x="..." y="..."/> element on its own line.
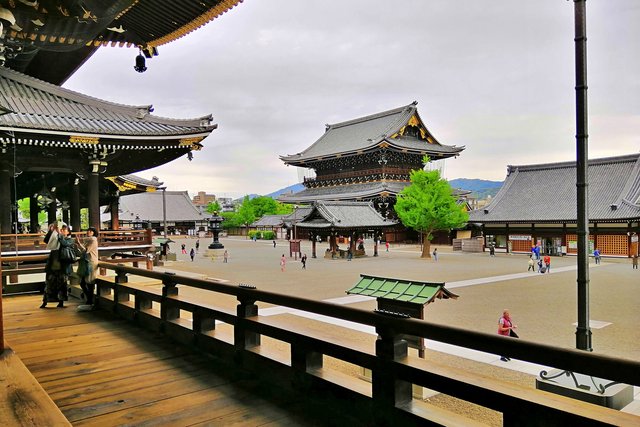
<point x="246" y="213"/>
<point x="428" y="205"/>
<point x="214" y="207"/>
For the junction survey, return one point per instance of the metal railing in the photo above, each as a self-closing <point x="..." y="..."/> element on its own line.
<point x="393" y="371"/>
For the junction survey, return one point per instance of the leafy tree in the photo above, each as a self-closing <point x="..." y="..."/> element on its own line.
<point x="214" y="207"/>
<point x="428" y="205"/>
<point x="246" y="213"/>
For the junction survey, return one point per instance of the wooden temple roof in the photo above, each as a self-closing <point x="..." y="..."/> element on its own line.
<point x="547" y="193"/>
<point x="399" y="129"/>
<point x="363" y="191"/>
<point x="344" y="215"/>
<point x="148" y="207"/>
<point x="42" y="108"/>
<point x="50" y="40"/>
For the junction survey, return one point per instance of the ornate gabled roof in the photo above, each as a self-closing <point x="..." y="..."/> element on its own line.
<point x="61" y="34"/>
<point x="41" y="107"/>
<point x="344" y="215"/>
<point x="129" y="184"/>
<point x="547" y="193"/>
<point x="400" y="129"/>
<point x="364" y="191"/>
<point x="413" y="291"/>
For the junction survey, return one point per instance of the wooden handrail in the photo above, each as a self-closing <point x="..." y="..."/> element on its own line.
<point x="617" y="369"/>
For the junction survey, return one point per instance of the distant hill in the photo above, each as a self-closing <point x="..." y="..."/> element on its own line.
<point x="481" y="188"/>
<point x="290" y="189"/>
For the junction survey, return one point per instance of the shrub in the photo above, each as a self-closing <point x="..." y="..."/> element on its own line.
<point x="268" y="235"/>
<point x="255" y="233"/>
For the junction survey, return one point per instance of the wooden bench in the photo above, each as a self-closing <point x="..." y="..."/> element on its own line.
<point x="23" y="401"/>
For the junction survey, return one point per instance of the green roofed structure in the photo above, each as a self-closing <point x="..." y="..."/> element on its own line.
<point x="410" y="291"/>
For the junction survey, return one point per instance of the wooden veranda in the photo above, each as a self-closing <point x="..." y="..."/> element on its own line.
<point x="100" y="370"/>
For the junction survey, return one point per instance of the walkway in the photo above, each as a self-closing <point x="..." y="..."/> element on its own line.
<point x="101" y="371"/>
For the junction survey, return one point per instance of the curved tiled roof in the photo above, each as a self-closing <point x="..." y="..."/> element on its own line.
<point x="345" y="192"/>
<point x="547" y="193"/>
<point x="344" y="215"/>
<point x="38" y="105"/>
<point x="367" y="133"/>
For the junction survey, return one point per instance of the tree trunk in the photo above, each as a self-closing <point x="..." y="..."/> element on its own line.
<point x="426" y="246"/>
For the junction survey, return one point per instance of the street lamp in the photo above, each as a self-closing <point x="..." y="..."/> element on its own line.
<point x="215" y="225"/>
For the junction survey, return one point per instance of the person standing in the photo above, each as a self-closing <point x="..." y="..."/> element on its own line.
<point x="274" y="243"/>
<point x="596" y="255"/>
<point x="198" y="245"/>
<point x="386" y="244"/>
<point x="283" y="262"/>
<point x="634" y="262"/>
<point x="532" y="265"/>
<point x="435" y="254"/>
<point x="87" y="266"/>
<point x="492" y="250"/>
<point x="58" y="268"/>
<point x="547" y="262"/>
<point x="506" y="329"/>
<point x="225" y="257"/>
<point x="192" y="254"/>
<point x="184" y="248"/>
<point x="303" y="260"/>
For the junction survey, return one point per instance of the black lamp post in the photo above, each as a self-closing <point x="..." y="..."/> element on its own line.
<point x="215" y="225"/>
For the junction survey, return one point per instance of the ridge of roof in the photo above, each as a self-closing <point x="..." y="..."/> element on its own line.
<point x="572" y="163"/>
<point x="140" y="112"/>
<point x="375" y="116"/>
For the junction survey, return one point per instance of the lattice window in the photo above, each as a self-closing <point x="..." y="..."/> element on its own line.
<point x="520" y="245"/>
<point x="572" y="244"/>
<point x="610" y="244"/>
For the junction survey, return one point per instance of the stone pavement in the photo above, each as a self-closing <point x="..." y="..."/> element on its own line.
<point x="542" y="305"/>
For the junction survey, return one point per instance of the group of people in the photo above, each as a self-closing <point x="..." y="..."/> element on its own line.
<point x="64" y="252"/>
<point x="283" y="262"/>
<point x="544" y="264"/>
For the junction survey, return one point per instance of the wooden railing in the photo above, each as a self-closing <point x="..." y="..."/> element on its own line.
<point x="388" y="398"/>
<point x="17" y="243"/>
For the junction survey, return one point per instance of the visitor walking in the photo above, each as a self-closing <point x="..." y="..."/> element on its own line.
<point x="198" y="245"/>
<point x="274" y="243"/>
<point x="596" y="255"/>
<point x="225" y="257"/>
<point x="349" y="254"/>
<point x="184" y="249"/>
<point x="634" y="262"/>
<point x="303" y="260"/>
<point x="506" y="328"/>
<point x="435" y="254"/>
<point x="283" y="262"/>
<point x="492" y="250"/>
<point x="192" y="254"/>
<point x="386" y="244"/>
<point x="532" y="264"/>
<point x="547" y="263"/>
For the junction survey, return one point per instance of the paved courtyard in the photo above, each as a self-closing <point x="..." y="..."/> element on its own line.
<point x="543" y="306"/>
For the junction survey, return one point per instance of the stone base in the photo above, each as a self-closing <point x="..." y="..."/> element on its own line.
<point x="616" y="396"/>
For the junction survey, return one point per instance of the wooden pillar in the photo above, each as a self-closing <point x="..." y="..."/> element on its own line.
<point x="115" y="214"/>
<point x="34" y="210"/>
<point x="94" y="193"/>
<point x="313" y="247"/>
<point x="5" y="198"/>
<point x="65" y="218"/>
<point x="52" y="209"/>
<point x="75" y="205"/>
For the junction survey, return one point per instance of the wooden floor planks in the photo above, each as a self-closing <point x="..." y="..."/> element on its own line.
<point x="103" y="371"/>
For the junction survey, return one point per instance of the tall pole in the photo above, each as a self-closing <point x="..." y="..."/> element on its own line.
<point x="164" y="211"/>
<point x="583" y="332"/>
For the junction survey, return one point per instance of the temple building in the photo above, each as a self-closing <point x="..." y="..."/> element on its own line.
<point x="63" y="149"/>
<point x="62" y="146"/>
<point x="368" y="159"/>
<point x="536" y="205"/>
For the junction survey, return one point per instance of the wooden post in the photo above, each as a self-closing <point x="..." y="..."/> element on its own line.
<point x="313" y="247"/>
<point x="167" y="310"/>
<point x="242" y="338"/>
<point x="1" y="314"/>
<point x="387" y="391"/>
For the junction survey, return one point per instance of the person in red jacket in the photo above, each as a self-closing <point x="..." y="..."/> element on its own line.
<point x="547" y="262"/>
<point x="506" y="328"/>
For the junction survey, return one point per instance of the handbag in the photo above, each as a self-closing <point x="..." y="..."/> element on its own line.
<point x="513" y="333"/>
<point x="67" y="254"/>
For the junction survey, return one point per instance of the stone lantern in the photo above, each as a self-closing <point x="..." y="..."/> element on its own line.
<point x="215" y="225"/>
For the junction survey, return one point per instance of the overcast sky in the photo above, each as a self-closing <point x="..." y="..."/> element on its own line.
<point x="496" y="76"/>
